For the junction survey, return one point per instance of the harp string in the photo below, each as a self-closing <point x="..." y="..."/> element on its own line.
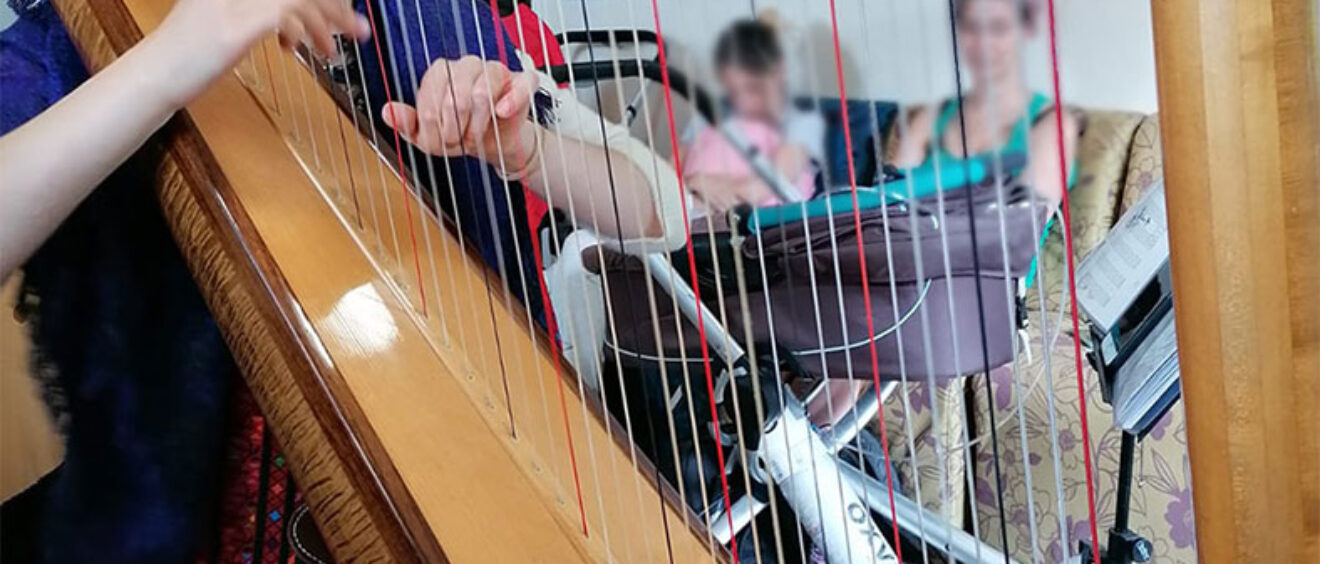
<point x="1072" y="281"/>
<point x="654" y="310"/>
<point x="904" y="398"/>
<point x="968" y="443"/>
<point x="816" y="98"/>
<point x="754" y="358"/>
<point x="992" y="124"/>
<point x="865" y="274"/>
<point x="646" y="269"/>
<point x="611" y="323"/>
<point x="270" y="78"/>
<point x="980" y="298"/>
<point x="508" y="190"/>
<point x="445" y="158"/>
<point x="343" y="143"/>
<point x="692" y="261"/>
<point x="417" y="190"/>
<point x="550" y="318"/>
<point x="376" y="145"/>
<point x="749" y="344"/>
<point x="444" y="319"/>
<point x="594" y="360"/>
<point x="398" y="147"/>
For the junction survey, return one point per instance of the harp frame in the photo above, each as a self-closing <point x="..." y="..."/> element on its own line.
<point x="1239" y="90"/>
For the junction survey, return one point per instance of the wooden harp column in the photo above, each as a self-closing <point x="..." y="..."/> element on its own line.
<point x="1239" y="85"/>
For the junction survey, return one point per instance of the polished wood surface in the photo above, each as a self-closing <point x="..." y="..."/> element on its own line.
<point x="29" y="446"/>
<point x="392" y="415"/>
<point x="1240" y="111"/>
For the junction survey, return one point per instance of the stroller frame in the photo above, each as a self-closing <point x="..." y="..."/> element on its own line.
<point x="854" y="536"/>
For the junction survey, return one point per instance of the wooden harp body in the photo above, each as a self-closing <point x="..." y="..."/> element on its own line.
<point x="400" y="440"/>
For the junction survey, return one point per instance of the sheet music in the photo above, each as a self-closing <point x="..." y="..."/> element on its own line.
<point x="1146" y="378"/>
<point x="1129" y="257"/>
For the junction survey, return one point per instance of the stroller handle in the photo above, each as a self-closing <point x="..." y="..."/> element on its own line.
<point x="630" y="68"/>
<point x="608" y="36"/>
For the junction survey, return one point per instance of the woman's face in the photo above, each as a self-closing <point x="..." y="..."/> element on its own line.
<point x="990" y="33"/>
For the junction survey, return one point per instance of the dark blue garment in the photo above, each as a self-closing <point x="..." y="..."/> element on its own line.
<point x="130" y="357"/>
<point x="493" y="218"/>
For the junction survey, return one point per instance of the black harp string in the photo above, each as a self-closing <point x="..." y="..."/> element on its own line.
<point x="980" y="298"/>
<point x="684" y="364"/>
<point x="632" y="323"/>
<point x="611" y="322"/>
<point x="374" y="141"/>
<point x="968" y="461"/>
<point x="501" y="274"/>
<point x="992" y="124"/>
<point x="663" y="363"/>
<point x="316" y="62"/>
<point x="540" y="274"/>
<point x="343" y="137"/>
<point x="516" y="220"/>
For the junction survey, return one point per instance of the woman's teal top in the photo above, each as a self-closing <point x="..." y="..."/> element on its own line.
<point x="1017" y="143"/>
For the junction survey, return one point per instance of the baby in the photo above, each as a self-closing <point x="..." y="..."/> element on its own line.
<point x="749" y="63"/>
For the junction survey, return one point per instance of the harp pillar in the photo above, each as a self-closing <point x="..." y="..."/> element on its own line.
<point x="1239" y="89"/>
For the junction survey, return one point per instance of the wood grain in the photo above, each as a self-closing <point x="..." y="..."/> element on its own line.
<point x="1240" y="110"/>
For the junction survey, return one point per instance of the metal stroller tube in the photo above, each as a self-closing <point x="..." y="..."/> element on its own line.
<point x="918" y="521"/>
<point x="664" y="274"/>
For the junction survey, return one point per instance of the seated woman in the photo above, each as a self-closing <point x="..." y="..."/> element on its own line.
<point x="1000" y="113"/>
<point x="749" y="63"/>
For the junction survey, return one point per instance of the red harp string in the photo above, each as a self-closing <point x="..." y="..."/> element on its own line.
<point x="1072" y="286"/>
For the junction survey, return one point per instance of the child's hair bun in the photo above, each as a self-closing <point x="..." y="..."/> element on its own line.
<point x="770" y="17"/>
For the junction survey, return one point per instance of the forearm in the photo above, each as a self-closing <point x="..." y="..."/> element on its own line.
<point x="53" y="162"/>
<point x="592" y="182"/>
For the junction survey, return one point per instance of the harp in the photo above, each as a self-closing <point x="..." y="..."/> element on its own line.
<point x="428" y="415"/>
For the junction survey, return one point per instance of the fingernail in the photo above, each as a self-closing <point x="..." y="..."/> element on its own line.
<point x="503" y="108"/>
<point x="364" y="26"/>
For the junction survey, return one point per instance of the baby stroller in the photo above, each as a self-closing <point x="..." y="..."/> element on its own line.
<point x="767" y="306"/>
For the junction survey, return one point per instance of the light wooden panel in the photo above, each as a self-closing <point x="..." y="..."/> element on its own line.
<point x="1241" y="132"/>
<point x="29" y="446"/>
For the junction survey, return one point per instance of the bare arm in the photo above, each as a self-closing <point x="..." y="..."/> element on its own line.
<point x="914" y="139"/>
<point x="1043" y="172"/>
<point x="480" y="108"/>
<point x="48" y="165"/>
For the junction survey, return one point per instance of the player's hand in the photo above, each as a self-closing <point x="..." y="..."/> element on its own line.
<point x="200" y="39"/>
<point x="461" y="107"/>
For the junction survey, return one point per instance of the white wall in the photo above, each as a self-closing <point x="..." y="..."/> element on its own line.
<point x="900" y="49"/>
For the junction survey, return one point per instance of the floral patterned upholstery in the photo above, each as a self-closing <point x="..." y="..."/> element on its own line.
<point x="1119" y="159"/>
